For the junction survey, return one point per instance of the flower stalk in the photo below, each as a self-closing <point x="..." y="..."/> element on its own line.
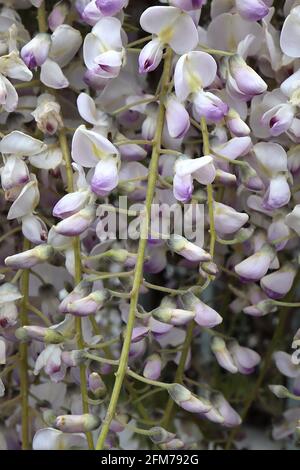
<point x="137" y="280"/>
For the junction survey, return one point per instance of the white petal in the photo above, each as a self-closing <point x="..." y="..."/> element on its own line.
<point x="87" y="108"/>
<point x="193" y="71"/>
<point x="108" y="30"/>
<point x="186" y="167"/>
<point x="284" y="364"/>
<point x="156" y="19"/>
<point x="52" y="75"/>
<point x="181" y="42"/>
<point x="290" y="34"/>
<point x="89" y="146"/>
<point x="49" y="159"/>
<point x="11" y="101"/>
<point x="92" y="47"/>
<point x="271" y="157"/>
<point x="19" y="143"/>
<point x="65" y="43"/>
<point x="13" y="66"/>
<point x="26" y="202"/>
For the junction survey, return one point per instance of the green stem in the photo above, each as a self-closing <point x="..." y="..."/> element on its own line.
<point x="24" y="385"/>
<point x="138" y="275"/>
<point x="41" y="18"/>
<point x="77" y="278"/>
<point x="155" y="383"/>
<point x="9" y="233"/>
<point x="210" y="196"/>
<point x="139" y="41"/>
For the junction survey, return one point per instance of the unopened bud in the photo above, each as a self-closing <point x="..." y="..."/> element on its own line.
<point x="160" y="435"/>
<point x="188" y="250"/>
<point x="73" y="358"/>
<point x="49" y="417"/>
<point x="222" y="354"/>
<point x="186" y="400"/>
<point x="88" y="305"/>
<point x="280" y="391"/>
<point x="39" y="333"/>
<point x="173" y="316"/>
<point x="118" y="424"/>
<point x="152" y="369"/>
<point x="96" y="385"/>
<point x="28" y="259"/>
<point x="174" y="444"/>
<point x="77" y="423"/>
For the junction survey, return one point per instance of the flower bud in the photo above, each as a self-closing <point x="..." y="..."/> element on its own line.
<point x="88" y="305"/>
<point x="187" y="5"/>
<point x="252" y="10"/>
<point x="47" y="114"/>
<point x="73" y="358"/>
<point x="139" y="333"/>
<point x="250" y="178"/>
<point x="230" y="416"/>
<point x="204" y="315"/>
<point x="40" y="333"/>
<point x="280" y="391"/>
<point x="277" y="284"/>
<point x="105" y="177"/>
<point x="174" y="444"/>
<point x="14" y="173"/>
<point x="77" y="223"/>
<point x="243" y="82"/>
<point x="111" y="7"/>
<point x="228" y="220"/>
<point x="260" y="309"/>
<point x="208" y="105"/>
<point x="152" y="369"/>
<point x="36" y="51"/>
<point x="80" y="290"/>
<point x="245" y="359"/>
<point x="70" y="204"/>
<point x="118" y="424"/>
<point x="236" y="125"/>
<point x="256" y="266"/>
<point x="49" y="417"/>
<point x="58" y="14"/>
<point x="187" y="401"/>
<point x="222" y="354"/>
<point x="8" y="314"/>
<point x="150" y="56"/>
<point x="173" y="316"/>
<point x="160" y="435"/>
<point x="77" y="423"/>
<point x="188" y="250"/>
<point x="177" y="118"/>
<point x="96" y="385"/>
<point x="34" y="229"/>
<point x="28" y="259"/>
<point x="209" y="268"/>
